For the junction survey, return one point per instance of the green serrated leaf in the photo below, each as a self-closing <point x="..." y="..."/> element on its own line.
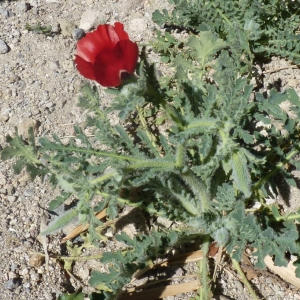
<point x="76" y="296"/>
<point x="205" y="47"/>
<point x="240" y="173"/>
<point x="59" y="200"/>
<point x="101" y="279"/>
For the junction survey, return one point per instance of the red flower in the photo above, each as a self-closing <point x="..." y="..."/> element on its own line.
<point x="104" y="54"/>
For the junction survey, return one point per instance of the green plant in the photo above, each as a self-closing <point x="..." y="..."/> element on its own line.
<point x="39" y="28"/>
<point x="267" y="27"/>
<point x="203" y="148"/>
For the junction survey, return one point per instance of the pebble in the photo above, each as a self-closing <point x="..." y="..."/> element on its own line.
<point x="54" y="65"/>
<point x="34" y="276"/>
<point x="293" y="82"/>
<point x="24" y="272"/>
<point x="29" y="193"/>
<point x="25" y="125"/>
<point x="239" y="285"/>
<point x="36" y="260"/>
<point x="12" y="275"/>
<point x="3" y="47"/>
<point x="23" y="6"/>
<point x="78" y="34"/>
<point x="5" y="12"/>
<point x="275" y="288"/>
<point x="11" y="199"/>
<point x="89" y="19"/>
<point x="12" y="284"/>
<point x="66" y="27"/>
<point x="4" y="115"/>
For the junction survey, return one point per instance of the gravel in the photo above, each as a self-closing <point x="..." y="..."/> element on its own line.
<point x="39" y="87"/>
<point x="3" y="47"/>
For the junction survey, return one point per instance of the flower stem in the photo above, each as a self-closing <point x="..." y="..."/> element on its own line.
<point x="277" y="168"/>
<point x="205" y="290"/>
<point x="145" y="126"/>
<point x="243" y="277"/>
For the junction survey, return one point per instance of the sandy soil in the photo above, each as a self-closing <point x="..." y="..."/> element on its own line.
<point x="39" y="87"/>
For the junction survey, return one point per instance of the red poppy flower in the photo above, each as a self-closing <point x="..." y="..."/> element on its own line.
<point x="104" y="54"/>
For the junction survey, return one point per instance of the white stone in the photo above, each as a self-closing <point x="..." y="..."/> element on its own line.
<point x="89" y="19"/>
<point x="3" y="47"/>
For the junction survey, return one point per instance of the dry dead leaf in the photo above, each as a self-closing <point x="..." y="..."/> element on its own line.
<point x="180" y="259"/>
<point x="286" y="273"/>
<point x="162" y="292"/>
<point x="80" y="228"/>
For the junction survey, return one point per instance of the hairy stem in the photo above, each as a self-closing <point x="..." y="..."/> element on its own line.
<point x="277" y="168"/>
<point x="243" y="277"/>
<point x="205" y="291"/>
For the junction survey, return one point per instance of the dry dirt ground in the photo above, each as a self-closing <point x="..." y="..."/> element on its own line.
<point x="39" y="87"/>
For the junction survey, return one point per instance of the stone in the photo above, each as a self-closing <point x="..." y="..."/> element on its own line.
<point x="68" y="65"/>
<point x="12" y="284"/>
<point x="36" y="260"/>
<point x="23" y="6"/>
<point x="29" y="192"/>
<point x="54" y="65"/>
<point x="5" y="12"/>
<point x="24" y="272"/>
<point x="66" y="27"/>
<point x="3" y="47"/>
<point x="4" y="114"/>
<point x="78" y="34"/>
<point x="34" y="276"/>
<point x="89" y="19"/>
<point x="25" y="125"/>
<point x="292" y="82"/>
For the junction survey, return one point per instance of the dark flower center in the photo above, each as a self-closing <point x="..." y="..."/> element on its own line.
<point x="124" y="75"/>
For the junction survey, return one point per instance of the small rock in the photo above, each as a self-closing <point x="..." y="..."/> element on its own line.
<point x="89" y="19"/>
<point x="24" y="272"/>
<point x="293" y="82"/>
<point x="4" y="115"/>
<point x="54" y="65"/>
<point x="12" y="284"/>
<point x="36" y="260"/>
<point x="78" y="34"/>
<point x="24" y="179"/>
<point x="238" y="285"/>
<point x="275" y="288"/>
<point x="12" y="275"/>
<point x="25" y="125"/>
<point x="66" y="27"/>
<point x="83" y="273"/>
<point x="23" y="6"/>
<point x="164" y="221"/>
<point x="29" y="193"/>
<point x="3" y="47"/>
<point x="68" y="65"/>
<point x="34" y="276"/>
<point x="11" y="199"/>
<point x="5" y="12"/>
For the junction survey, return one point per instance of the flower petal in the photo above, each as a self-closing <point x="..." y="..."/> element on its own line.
<point x="86" y="69"/>
<point x="109" y="64"/>
<point x="130" y="52"/>
<point x="105" y="36"/>
<point x="119" y="28"/>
